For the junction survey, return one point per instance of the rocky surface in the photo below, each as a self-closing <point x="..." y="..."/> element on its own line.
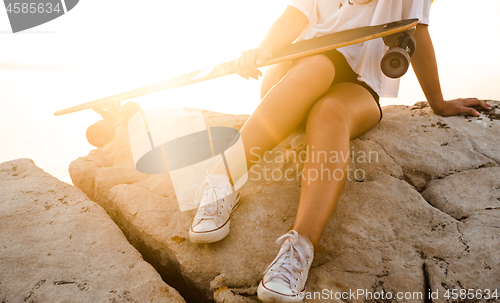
<point x="419" y="214"/>
<point x="58" y="246"/>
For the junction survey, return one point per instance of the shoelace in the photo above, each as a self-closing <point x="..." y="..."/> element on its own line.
<point x="207" y="197"/>
<point x="287" y="264"/>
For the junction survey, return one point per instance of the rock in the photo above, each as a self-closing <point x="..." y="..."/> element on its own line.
<point x="462" y="194"/>
<point x="472" y="198"/>
<point x="428" y="146"/>
<point x="383" y="235"/>
<point x="225" y="294"/>
<point x="86" y="168"/>
<point x="483" y="132"/>
<point x="58" y="246"/>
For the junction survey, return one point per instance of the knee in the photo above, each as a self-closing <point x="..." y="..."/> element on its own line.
<point x="329" y="110"/>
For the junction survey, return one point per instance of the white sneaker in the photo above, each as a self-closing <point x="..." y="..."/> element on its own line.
<point x="218" y="200"/>
<point x="285" y="278"/>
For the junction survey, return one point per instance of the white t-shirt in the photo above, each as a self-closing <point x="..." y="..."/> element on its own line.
<point x="329" y="16"/>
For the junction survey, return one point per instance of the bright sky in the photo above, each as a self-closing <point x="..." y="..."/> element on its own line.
<point x="120" y="45"/>
<point x="154" y="40"/>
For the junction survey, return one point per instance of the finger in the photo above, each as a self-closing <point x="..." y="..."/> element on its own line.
<point x="469" y="111"/>
<point x="254" y="72"/>
<point x="237" y="66"/>
<point x="476" y="102"/>
<point x="485" y="105"/>
<point x="263" y="57"/>
<point x="471" y="102"/>
<point x="253" y="68"/>
<point x="250" y="68"/>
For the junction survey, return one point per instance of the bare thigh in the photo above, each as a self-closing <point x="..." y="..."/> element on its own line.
<point x="273" y="75"/>
<point x="352" y="98"/>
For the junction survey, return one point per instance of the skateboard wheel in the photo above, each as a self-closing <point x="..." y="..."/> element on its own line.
<point x="100" y="133"/>
<point x="395" y="62"/>
<point x="128" y="110"/>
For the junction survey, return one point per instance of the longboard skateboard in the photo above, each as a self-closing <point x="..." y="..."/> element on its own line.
<point x="397" y="35"/>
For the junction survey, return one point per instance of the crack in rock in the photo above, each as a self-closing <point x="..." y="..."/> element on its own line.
<point x="486" y="164"/>
<point x="427" y="284"/>
<point x="462" y="240"/>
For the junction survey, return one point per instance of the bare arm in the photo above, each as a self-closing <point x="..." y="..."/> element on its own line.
<point x="283" y="32"/>
<point x="425" y="67"/>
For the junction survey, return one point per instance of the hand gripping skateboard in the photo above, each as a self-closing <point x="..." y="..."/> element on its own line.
<point x="398" y="36"/>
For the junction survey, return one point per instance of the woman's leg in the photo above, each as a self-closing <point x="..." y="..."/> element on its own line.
<point x="288" y="92"/>
<point x="346" y="111"/>
<point x="282" y="108"/>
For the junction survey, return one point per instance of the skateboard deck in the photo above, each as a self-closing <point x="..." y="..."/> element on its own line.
<point x="291" y="52"/>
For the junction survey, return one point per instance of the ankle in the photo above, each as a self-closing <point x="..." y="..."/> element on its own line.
<point x="310" y="236"/>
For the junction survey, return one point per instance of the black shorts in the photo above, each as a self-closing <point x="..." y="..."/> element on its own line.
<point x="344" y="73"/>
